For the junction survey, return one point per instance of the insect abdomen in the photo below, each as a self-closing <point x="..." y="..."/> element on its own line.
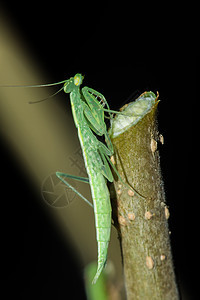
<point x="103" y="227"/>
<point x="102" y="211"/>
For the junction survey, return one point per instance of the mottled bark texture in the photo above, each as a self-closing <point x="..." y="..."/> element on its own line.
<point x="142" y="215"/>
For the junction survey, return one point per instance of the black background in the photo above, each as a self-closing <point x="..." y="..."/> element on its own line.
<point x="121" y="50"/>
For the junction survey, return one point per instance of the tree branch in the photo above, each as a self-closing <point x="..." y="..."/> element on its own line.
<point x="141" y="212"/>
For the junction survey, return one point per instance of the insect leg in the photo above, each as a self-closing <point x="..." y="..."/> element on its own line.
<point x="87" y="90"/>
<point x="97" y="95"/>
<point x="82" y="179"/>
<point x="104" y="152"/>
<point x="94" y="122"/>
<point x="125" y="184"/>
<point x="97" y="125"/>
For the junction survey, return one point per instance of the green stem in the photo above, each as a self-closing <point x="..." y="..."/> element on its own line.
<point x="142" y="215"/>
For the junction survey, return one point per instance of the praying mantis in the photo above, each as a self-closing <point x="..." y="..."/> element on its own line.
<point x="88" y="114"/>
<point x="88" y="107"/>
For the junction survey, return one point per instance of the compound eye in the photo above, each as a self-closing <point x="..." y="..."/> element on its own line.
<point x="78" y="78"/>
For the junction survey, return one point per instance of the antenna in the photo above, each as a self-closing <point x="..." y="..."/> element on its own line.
<point x="33" y="86"/>
<point x="37" y="86"/>
<point x="51" y="96"/>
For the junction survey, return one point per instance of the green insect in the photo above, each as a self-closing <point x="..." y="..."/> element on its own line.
<point x="88" y="113"/>
<point x="88" y="107"/>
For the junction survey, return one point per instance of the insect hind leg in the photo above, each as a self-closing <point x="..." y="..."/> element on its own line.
<point x="60" y="175"/>
<point x="125" y="184"/>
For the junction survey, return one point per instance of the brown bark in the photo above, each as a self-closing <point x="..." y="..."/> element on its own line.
<point x="142" y="215"/>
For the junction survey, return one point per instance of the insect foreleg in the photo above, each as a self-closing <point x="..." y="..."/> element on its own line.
<point x="97" y="124"/>
<point x="97" y="96"/>
<point x="82" y="179"/>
